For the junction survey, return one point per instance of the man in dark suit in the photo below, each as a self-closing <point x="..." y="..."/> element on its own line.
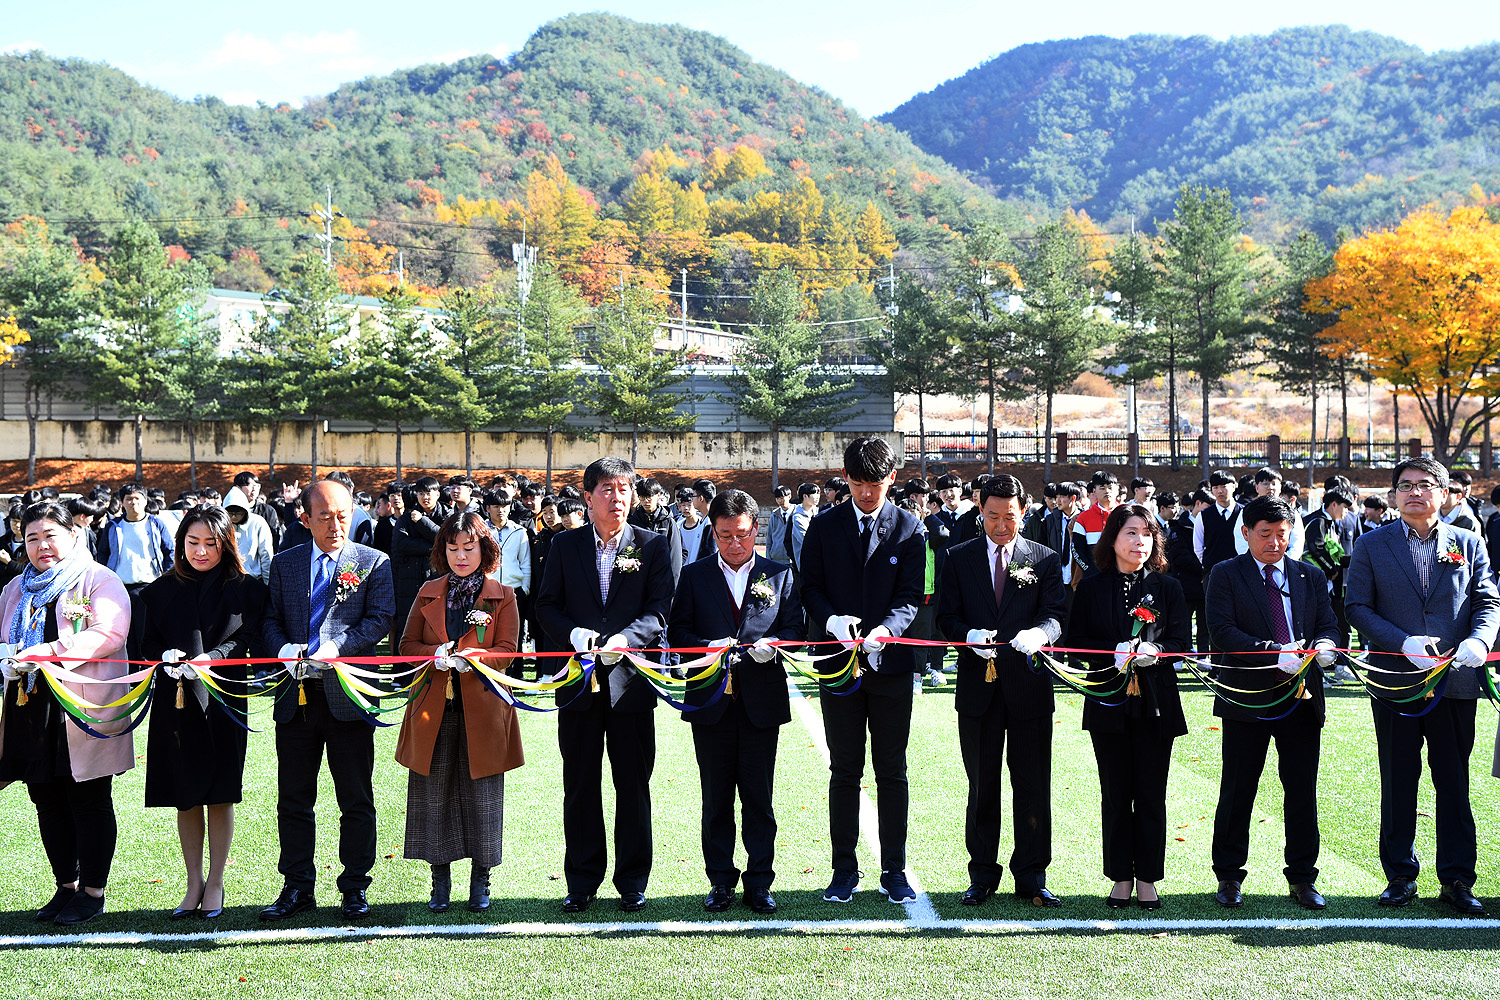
<point x="863" y="565"/>
<point x="1185" y="565"/>
<point x="330" y="598"/>
<point x="1264" y="606"/>
<point x="1418" y="586"/>
<point x="605" y="589"/>
<point x="1004" y="589"/>
<point x="744" y="600"/>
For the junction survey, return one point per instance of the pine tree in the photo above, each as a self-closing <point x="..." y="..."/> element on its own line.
<point x="635" y="388"/>
<point x="918" y="350"/>
<point x="468" y="361"/>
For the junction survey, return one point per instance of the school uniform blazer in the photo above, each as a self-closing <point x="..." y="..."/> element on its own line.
<point x="1239" y="620"/>
<point x="882" y="585"/>
<point x="638" y="606"/>
<point x="703" y="611"/>
<point x="966" y="600"/>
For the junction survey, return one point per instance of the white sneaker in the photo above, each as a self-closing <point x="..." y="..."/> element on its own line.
<point x="1344" y="675"/>
<point x="936" y="678"/>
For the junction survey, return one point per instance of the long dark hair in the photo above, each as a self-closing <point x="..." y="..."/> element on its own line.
<point x="216" y="520"/>
<point x="1104" y="551"/>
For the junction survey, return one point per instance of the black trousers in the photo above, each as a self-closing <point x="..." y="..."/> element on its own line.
<point x="922" y="627"/>
<point x="1448" y="731"/>
<point x="982" y="741"/>
<point x="76" y="820"/>
<point x="1133" y="800"/>
<point x="300" y="744"/>
<point x="630" y="737"/>
<point x="882" y="705"/>
<point x="736" y="756"/>
<point x="1298" y="739"/>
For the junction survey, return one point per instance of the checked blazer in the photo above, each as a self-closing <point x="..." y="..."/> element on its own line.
<point x="355" y="625"/>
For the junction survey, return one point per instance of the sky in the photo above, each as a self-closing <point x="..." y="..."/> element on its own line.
<point x="873" y="55"/>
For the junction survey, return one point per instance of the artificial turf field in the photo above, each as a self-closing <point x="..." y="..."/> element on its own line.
<point x="1190" y="948"/>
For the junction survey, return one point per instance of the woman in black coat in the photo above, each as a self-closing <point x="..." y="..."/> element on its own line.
<point x="1132" y="739"/>
<point x="206" y="608"/>
<point x="411" y="545"/>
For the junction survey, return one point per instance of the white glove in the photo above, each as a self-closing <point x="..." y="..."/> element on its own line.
<point x="182" y="672"/>
<point x="459" y="664"/>
<point x="1122" y="653"/>
<point x="582" y="639"/>
<point x="872" y="644"/>
<point x="839" y="627"/>
<point x="762" y="651"/>
<point x="8" y="663"/>
<point x="440" y="657"/>
<point x="609" y="652"/>
<point x="1028" y="641"/>
<point x="983" y="638"/>
<point x="723" y="643"/>
<point x="1471" y="653"/>
<point x="40" y="649"/>
<point x="1289" y="662"/>
<point x="1326" y="654"/>
<point x="327" y="651"/>
<point x="1146" y="654"/>
<point x="1415" y="649"/>
<point x="289" y="656"/>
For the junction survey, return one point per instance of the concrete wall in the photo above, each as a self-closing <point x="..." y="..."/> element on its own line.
<point x="165" y="441"/>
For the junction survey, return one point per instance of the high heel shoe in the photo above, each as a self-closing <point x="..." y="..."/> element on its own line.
<point x="1119" y="902"/>
<point x="217" y="912"/>
<point x="1147" y="904"/>
<point x="187" y="911"/>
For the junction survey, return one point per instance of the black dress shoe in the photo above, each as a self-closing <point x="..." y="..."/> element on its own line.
<point x="1461" y="898"/>
<point x="720" y="898"/>
<point x="632" y="902"/>
<point x="83" y="907"/>
<point x="1117" y="902"/>
<point x="217" y="911"/>
<point x="1307" y="896"/>
<point x="976" y="894"/>
<point x="187" y="911"/>
<point x="1149" y="904"/>
<point x="1398" y="893"/>
<point x="1041" y="896"/>
<point x="442" y="893"/>
<point x="355" y="907"/>
<point x="289" y="902"/>
<point x="479" y="891"/>
<point x="577" y="902"/>
<point x="55" y="905"/>
<point x="1229" y="893"/>
<point x="760" y="900"/>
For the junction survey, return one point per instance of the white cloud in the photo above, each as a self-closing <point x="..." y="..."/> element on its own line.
<point x="843" y="51"/>
<point x="21" y="48"/>
<point x="336" y="51"/>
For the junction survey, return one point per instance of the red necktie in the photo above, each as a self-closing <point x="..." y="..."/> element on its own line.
<point x="999" y="576"/>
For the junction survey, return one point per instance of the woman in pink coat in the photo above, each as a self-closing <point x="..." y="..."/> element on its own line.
<point x="65" y="605"/>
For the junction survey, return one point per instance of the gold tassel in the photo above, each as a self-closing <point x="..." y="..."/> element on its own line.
<point x="594" y="681"/>
<point x="989" y="671"/>
<point x="1134" y="687"/>
<point x="450" y="684"/>
<point x="21" y="697"/>
<point x="1302" y="691"/>
<point x="729" y="684"/>
<point x="179" y="692"/>
<point x="302" y="693"/>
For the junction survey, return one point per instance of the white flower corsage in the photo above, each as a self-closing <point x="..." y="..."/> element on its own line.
<point x="763" y="592"/>
<point x="1022" y="574"/>
<point x="629" y="559"/>
<point x="77" y="611"/>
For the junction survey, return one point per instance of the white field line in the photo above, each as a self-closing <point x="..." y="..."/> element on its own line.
<point x="286" y="935"/>
<point x="921" y="912"/>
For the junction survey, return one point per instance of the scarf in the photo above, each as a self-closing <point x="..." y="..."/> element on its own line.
<point x="462" y="590"/>
<point x="39" y="589"/>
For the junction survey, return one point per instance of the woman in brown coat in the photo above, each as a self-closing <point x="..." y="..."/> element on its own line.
<point x="457" y="738"/>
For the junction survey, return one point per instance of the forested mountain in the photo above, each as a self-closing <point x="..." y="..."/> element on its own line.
<point x="593" y="101"/>
<point x="1318" y="126"/>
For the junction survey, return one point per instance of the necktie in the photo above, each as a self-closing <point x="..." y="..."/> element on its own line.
<point x="865" y="521"/>
<point x="1280" y="630"/>
<point x="318" y="603"/>
<point x="999" y="576"/>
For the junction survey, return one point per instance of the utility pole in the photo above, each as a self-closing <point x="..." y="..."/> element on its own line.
<point x="684" y="310"/>
<point x="326" y="215"/>
<point x="622" y="294"/>
<point x="525" y="258"/>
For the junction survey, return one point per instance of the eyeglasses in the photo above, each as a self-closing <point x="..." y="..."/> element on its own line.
<point x="1423" y="486"/>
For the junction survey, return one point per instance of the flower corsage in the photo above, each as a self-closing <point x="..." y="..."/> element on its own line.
<point x="347" y="582"/>
<point x="1454" y="556"/>
<point x="479" y="621"/>
<point x="629" y="559"/>
<point x="1022" y="573"/>
<point x="77" y="611"/>
<point x="1142" y="614"/>
<point x="763" y="592"/>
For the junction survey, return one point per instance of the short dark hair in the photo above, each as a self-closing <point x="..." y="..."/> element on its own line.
<point x="50" y="493"/>
<point x="732" y="503"/>
<point x="1102" y="478"/>
<point x="83" y="505"/>
<point x="685" y="494"/>
<point x="705" y="488"/>
<point x="130" y="488"/>
<point x="343" y="479"/>
<point x="808" y="489"/>
<point x="1268" y="475"/>
<point x="1049" y="490"/>
<point x="568" y="505"/>
<point x="1072" y="490"/>
<point x="1377" y="502"/>
<point x="243" y="479"/>
<point x="1273" y="509"/>
<point x="529" y="491"/>
<point x="570" y="492"/>
<point x="1291" y="489"/>
<point x="948" y="481"/>
<point x="468" y="522"/>
<point x="1219" y="477"/>
<point x="1337" y="496"/>
<point x="1104" y="549"/>
<point x="782" y="491"/>
<point x="834" y="482"/>
<point x="608" y="467"/>
<point x="460" y="481"/>
<point x="1167" y="499"/>
<point x="426" y="483"/>
<point x="1139" y="482"/>
<point x="217" y="521"/>
<point x="1004" y="487"/>
<point x="1201" y="495"/>
<point x="869" y="460"/>
<point x="44" y="510"/>
<point x="1422" y="464"/>
<point x="1461" y="477"/>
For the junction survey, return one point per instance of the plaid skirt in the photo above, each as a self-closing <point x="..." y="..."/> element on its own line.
<point x="450" y="815"/>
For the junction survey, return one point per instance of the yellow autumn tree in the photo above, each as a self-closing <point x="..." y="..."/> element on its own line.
<point x="11" y="336"/>
<point x="560" y="215"/>
<point x="876" y="241"/>
<point x="1421" y="303"/>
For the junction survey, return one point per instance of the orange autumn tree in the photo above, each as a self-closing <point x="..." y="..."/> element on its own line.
<point x="1421" y="303"/>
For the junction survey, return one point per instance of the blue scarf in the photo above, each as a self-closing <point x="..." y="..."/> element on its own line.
<point x="29" y="624"/>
